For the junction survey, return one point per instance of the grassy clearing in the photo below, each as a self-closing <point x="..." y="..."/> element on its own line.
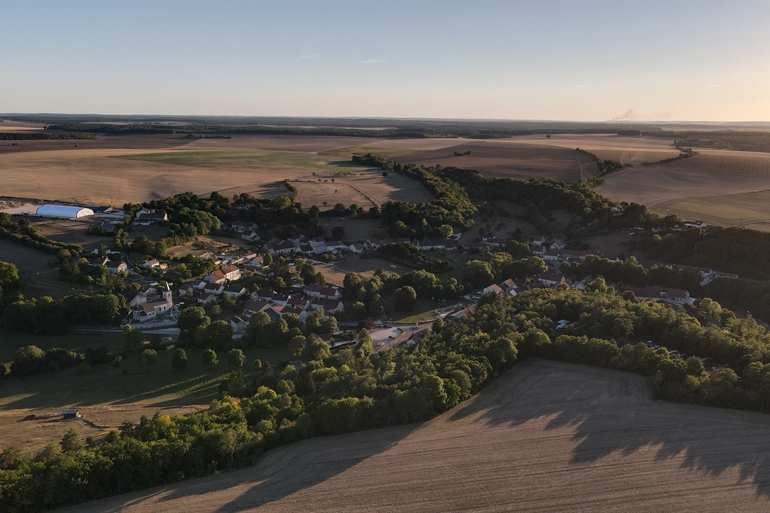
<point x="216" y="159"/>
<point x="107" y="397"/>
<point x="423" y="312"/>
<point x="103" y="384"/>
<point x="38" y="278"/>
<point x="10" y="341"/>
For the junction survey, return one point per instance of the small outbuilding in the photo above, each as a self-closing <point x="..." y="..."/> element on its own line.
<point x="63" y="211"/>
<point x="71" y="413"/>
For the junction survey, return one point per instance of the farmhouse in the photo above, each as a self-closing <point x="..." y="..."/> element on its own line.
<point x="63" y="211"/>
<point x="235" y="290"/>
<point x="492" y="289"/>
<point x="151" y="264"/>
<point x="250" y="236"/>
<point x="231" y="273"/>
<point x="146" y="217"/>
<point x="96" y="261"/>
<point x="216" y="277"/>
<point x="116" y="267"/>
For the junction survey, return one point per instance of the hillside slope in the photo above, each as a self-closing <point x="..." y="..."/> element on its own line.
<point x="546" y="437"/>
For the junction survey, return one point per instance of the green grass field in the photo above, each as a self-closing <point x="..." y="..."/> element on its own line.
<point x="362" y="150"/>
<point x="273" y="160"/>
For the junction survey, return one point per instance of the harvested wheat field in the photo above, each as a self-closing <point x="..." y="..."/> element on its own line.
<point x="331" y="145"/>
<point x="720" y="186"/>
<point x="117" y="176"/>
<point x="127" y="142"/>
<point x="506" y="160"/>
<point x="546" y="437"/>
<point x="632" y="150"/>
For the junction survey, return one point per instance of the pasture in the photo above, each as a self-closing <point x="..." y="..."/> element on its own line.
<point x="721" y="187"/>
<point x="107" y="397"/>
<point x="366" y="189"/>
<point x="545" y="437"/>
<point x="506" y="160"/>
<point x="37" y="276"/>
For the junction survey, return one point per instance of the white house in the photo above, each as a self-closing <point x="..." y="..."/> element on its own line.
<point x="238" y="324"/>
<point x="492" y="289"/>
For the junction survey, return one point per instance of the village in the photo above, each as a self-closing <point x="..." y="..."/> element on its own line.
<point x="155" y="306"/>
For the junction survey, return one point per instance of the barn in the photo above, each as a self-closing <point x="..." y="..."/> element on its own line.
<point x="63" y="211"/>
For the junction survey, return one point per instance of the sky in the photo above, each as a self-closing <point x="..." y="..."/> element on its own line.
<point x="536" y="60"/>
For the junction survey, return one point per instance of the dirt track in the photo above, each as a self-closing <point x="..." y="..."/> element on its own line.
<point x="546" y="437"/>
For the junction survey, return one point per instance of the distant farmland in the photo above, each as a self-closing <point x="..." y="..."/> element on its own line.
<point x="633" y="150"/>
<point x="545" y="437"/>
<point x="507" y="160"/>
<point x="718" y="186"/>
<point x="116" y="170"/>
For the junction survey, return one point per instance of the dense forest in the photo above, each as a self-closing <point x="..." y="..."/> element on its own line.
<point x="736" y="250"/>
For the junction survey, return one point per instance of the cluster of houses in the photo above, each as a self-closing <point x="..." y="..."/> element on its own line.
<point x="506" y="288"/>
<point x="319" y="245"/>
<point x="555" y="252"/>
<point x="302" y="302"/>
<point x="247" y="230"/>
<point x="216" y="284"/>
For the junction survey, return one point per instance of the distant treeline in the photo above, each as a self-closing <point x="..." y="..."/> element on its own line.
<point x="41" y="136"/>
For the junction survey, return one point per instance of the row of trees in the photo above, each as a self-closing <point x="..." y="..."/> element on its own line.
<point x="46" y="316"/>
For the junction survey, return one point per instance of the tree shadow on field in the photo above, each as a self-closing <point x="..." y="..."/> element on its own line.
<point x="287" y="470"/>
<point x="612" y="412"/>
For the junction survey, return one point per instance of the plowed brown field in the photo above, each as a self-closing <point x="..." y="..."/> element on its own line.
<point x="546" y="437"/>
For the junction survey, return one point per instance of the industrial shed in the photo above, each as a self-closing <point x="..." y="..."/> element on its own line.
<point x="63" y="211"/>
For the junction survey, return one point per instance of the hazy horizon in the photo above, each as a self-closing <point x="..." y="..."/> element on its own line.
<point x="566" y="61"/>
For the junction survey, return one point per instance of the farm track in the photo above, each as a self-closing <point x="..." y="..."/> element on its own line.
<point x="545" y="437"/>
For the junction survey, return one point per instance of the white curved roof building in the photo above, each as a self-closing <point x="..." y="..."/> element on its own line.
<point x="63" y="211"/>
